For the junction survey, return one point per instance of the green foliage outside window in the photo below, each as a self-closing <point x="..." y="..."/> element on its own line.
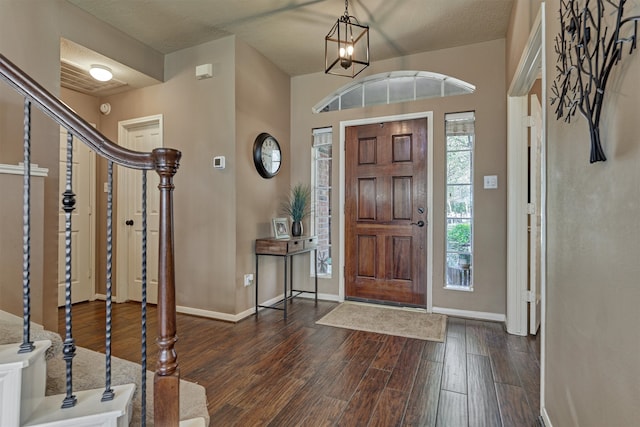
<point x="459" y="237"/>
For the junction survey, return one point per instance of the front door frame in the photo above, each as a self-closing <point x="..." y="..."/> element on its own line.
<point x="343" y="125"/>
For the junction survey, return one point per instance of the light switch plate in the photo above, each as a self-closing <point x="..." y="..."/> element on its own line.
<point x="219" y="162"/>
<point x="491" y="182"/>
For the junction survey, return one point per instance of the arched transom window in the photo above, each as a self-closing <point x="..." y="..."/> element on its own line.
<point x="391" y="88"/>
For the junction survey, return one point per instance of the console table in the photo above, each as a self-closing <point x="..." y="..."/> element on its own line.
<point x="287" y="248"/>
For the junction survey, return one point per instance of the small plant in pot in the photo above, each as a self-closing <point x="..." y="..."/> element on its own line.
<point x="298" y="207"/>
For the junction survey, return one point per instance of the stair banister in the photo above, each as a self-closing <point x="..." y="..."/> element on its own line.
<point x="165" y="161"/>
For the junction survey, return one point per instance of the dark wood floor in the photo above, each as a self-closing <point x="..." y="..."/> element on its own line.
<point x="268" y="372"/>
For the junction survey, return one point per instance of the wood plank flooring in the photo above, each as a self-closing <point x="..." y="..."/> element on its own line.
<point x="265" y="371"/>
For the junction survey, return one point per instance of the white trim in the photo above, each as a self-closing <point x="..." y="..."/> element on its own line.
<point x="481" y="315"/>
<point x="19" y="169"/>
<point x="215" y="314"/>
<point x="517" y="274"/>
<point x="248" y="312"/>
<point x="531" y="61"/>
<point x="323" y="297"/>
<point x="543" y="225"/>
<point x="343" y="125"/>
<point x="517" y="110"/>
<point x="101" y="297"/>
<point x="545" y="417"/>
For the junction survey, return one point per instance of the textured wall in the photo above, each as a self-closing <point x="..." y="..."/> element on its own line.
<point x="592" y="340"/>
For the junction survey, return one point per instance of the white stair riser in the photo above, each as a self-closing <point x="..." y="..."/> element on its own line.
<point x="89" y="410"/>
<point x="22" y="382"/>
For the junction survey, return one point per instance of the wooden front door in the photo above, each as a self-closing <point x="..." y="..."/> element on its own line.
<point x="386" y="212"/>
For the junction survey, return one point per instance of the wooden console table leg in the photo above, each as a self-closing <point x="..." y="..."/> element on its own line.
<point x="315" y="272"/>
<point x="285" y="288"/>
<point x="256" y="283"/>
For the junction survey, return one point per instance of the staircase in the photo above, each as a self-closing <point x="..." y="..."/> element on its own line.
<point x="23" y="402"/>
<point x="23" y="365"/>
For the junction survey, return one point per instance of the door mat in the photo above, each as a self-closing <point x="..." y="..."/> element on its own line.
<point x="403" y="322"/>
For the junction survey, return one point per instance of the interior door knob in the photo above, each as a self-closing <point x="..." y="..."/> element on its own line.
<point x="129" y="222"/>
<point x="419" y="223"/>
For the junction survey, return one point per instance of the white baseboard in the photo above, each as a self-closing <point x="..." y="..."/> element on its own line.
<point x="481" y="315"/>
<point x="323" y="297"/>
<point x="249" y="312"/>
<point x="101" y="297"/>
<point x="215" y="314"/>
<point x="545" y="418"/>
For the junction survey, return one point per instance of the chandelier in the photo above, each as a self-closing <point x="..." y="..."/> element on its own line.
<point x="346" y="47"/>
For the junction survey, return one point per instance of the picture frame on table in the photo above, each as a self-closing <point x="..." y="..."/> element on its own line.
<point x="280" y="228"/>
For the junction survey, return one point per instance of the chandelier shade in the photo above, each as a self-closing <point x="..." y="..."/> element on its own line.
<point x="346" y="47"/>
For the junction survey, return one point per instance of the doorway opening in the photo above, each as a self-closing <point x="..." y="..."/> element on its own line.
<point x="142" y="134"/>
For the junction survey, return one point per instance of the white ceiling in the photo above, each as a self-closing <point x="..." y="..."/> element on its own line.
<point x="291" y="32"/>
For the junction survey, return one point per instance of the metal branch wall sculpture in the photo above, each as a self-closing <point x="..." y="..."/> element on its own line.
<point x="587" y="51"/>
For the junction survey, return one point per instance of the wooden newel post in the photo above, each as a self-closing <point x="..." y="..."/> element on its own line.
<point x="166" y="396"/>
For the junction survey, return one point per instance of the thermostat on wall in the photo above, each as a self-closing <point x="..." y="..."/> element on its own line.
<point x="218" y="162"/>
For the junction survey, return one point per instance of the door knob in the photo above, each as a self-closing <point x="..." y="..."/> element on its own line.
<point x="129" y="222"/>
<point x="419" y="223"/>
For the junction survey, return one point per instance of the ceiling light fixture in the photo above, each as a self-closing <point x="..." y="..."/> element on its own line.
<point x="101" y="73"/>
<point x="346" y="47"/>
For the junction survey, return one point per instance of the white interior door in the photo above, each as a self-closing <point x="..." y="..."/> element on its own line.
<point x="141" y="135"/>
<point x="535" y="235"/>
<point x="82" y="228"/>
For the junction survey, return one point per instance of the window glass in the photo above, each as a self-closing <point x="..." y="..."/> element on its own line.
<point x="393" y="87"/>
<point x="401" y="89"/>
<point x="375" y="92"/>
<point x="321" y="171"/>
<point x="460" y="135"/>
<point x="351" y="99"/>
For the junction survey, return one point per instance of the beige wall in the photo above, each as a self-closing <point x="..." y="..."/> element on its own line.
<point x="480" y="64"/>
<point x="38" y="25"/>
<point x="198" y="120"/>
<point x="523" y="14"/>
<point x="262" y="105"/>
<point x="36" y="53"/>
<point x="592" y="335"/>
<point x="11" y="256"/>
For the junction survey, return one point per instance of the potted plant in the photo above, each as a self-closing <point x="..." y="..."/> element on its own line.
<point x="297" y="206"/>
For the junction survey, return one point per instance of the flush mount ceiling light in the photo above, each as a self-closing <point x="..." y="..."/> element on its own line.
<point x="101" y="73"/>
<point x="346" y="47"/>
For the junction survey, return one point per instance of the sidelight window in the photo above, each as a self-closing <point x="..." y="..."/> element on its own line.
<point x="321" y="168"/>
<point x="460" y="136"/>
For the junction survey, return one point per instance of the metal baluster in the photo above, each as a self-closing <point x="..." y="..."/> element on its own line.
<point x="68" y="205"/>
<point x="27" y="345"/>
<point x="108" y="393"/>
<point x="143" y="380"/>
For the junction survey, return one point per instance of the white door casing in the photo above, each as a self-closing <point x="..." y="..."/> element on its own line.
<point x="82" y="222"/>
<point x="535" y="221"/>
<point x="143" y="134"/>
<point x="526" y="74"/>
<point x="531" y="66"/>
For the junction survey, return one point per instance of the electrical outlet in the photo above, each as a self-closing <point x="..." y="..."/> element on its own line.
<point x="248" y="279"/>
